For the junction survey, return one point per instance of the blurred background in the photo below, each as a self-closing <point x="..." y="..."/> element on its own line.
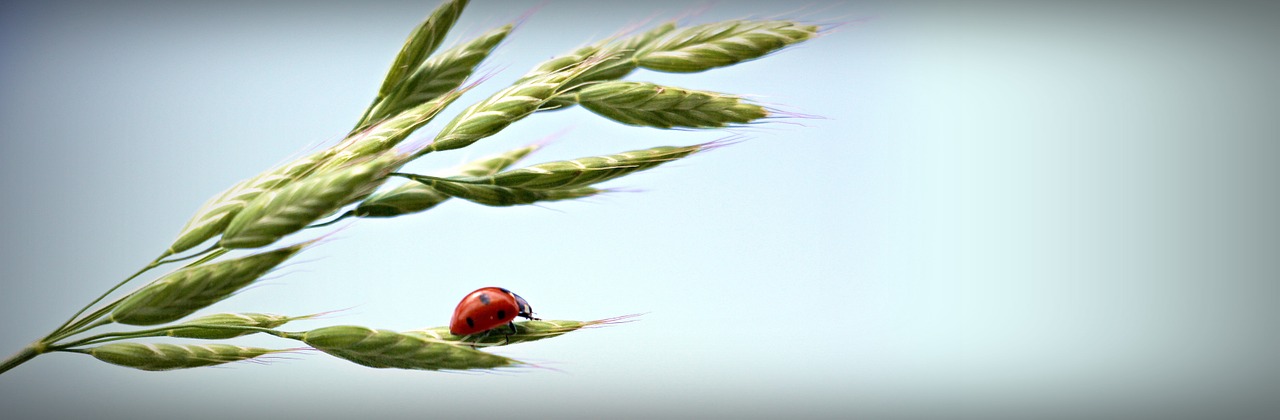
<point x="1004" y="210"/>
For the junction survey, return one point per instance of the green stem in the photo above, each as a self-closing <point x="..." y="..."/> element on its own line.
<point x="416" y="177"/>
<point x="85" y="325"/>
<point x="335" y="220"/>
<point x="216" y="253"/>
<point x="206" y="251"/>
<point x="27" y="353"/>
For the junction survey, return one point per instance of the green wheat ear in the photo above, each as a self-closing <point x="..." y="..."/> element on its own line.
<point x="414" y="197"/>
<point x="438" y="75"/>
<point x="575" y="173"/>
<point x="524" y="331"/>
<point x="287" y="210"/>
<point x="213" y="217"/>
<point x="188" y="290"/>
<point x="712" y="45"/>
<point x="156" y="357"/>
<point x="435" y="348"/>
<point x="214" y="327"/>
<point x="390" y="349"/>
<point x="421" y="43"/>
<point x="651" y="105"/>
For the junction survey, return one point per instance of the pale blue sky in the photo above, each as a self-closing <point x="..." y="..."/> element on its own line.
<point x="1007" y="209"/>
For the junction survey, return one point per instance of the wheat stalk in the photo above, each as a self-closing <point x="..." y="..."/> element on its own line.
<point x="266" y="209"/>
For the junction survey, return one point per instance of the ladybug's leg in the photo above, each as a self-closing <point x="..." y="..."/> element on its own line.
<point x="506" y="338"/>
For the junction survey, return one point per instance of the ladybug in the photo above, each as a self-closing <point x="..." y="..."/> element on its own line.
<point x="488" y="308"/>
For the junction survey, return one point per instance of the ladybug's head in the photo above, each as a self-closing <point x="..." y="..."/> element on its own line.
<point x="525" y="309"/>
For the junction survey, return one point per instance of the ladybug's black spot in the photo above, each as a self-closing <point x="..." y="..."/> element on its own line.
<point x="502" y="314"/>
<point x="471" y="323"/>
<point x="484" y="298"/>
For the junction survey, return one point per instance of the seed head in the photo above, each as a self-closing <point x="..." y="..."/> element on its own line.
<point x="720" y="44"/>
<point x="509" y="105"/>
<point x="438" y="75"/>
<point x="187" y="290"/>
<point x="386" y="134"/>
<point x="281" y="212"/>
<point x="651" y="105"/>
<point x="156" y="357"/>
<point x="499" y="196"/>
<point x="197" y="328"/>
<point x="390" y="349"/>
<point x="525" y="331"/>
<point x="213" y="217"/>
<point x="421" y="43"/>
<point x="413" y="197"/>
<point x="577" y="173"/>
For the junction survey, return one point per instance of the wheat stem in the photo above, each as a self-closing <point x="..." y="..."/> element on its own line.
<point x="89" y="326"/>
<point x="335" y="220"/>
<point x="27" y="353"/>
<point x="211" y="248"/>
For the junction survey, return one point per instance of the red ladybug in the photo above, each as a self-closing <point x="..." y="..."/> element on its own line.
<point x="488" y="308"/>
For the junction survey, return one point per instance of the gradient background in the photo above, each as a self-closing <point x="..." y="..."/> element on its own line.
<point x="1011" y="209"/>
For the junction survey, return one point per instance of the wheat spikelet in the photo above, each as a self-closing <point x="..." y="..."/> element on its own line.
<point x="441" y="73"/>
<point x="413" y="197"/>
<point x="208" y="326"/>
<point x="620" y="63"/>
<point x="213" y="217"/>
<point x="651" y="105"/>
<point x="561" y="62"/>
<point x="507" y="106"/>
<point x="720" y="44"/>
<point x="554" y="181"/>
<point x="586" y="171"/>
<point x="421" y="43"/>
<point x="187" y="290"/>
<point x="390" y="349"/>
<point x="624" y="53"/>
<point x="289" y="209"/>
<point x="499" y="196"/>
<point x="157" y="357"/>
<point x="386" y="134"/>
<point x="524" y="331"/>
